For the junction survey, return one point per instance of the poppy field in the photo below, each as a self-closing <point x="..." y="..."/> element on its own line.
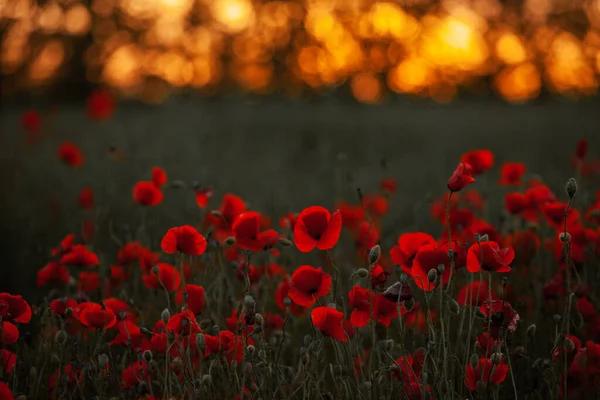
<point x="237" y="303"/>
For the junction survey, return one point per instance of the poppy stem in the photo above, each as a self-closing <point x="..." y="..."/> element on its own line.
<point x="373" y="339"/>
<point x="450" y="252"/>
<point x="337" y="274"/>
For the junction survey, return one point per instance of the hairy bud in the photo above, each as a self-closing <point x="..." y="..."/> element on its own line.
<point x="200" y="341"/>
<point x="569" y="345"/>
<point x="571" y="187"/>
<point x="454" y="307"/>
<point x="165" y="315"/>
<point x="474" y="361"/>
<point x="259" y="319"/>
<point x="374" y="254"/>
<point x="287" y="302"/>
<point x="60" y="337"/>
<point x="556" y="319"/>
<point x="432" y="275"/>
<point x="362" y="273"/>
<point x="155" y="270"/>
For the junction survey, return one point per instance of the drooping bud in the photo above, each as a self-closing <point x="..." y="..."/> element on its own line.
<point x="432" y="275"/>
<point x="403" y="277"/>
<point x="155" y="270"/>
<point x="531" y="330"/>
<point x="571" y="187"/>
<point x="374" y="254"/>
<point x="249" y="300"/>
<point x="564" y="237"/>
<point x="258" y="319"/>
<point x="496" y="358"/>
<point x="569" y="345"/>
<point x="454" y="307"/>
<point x="251" y="350"/>
<point x="284" y="242"/>
<point x="147" y="355"/>
<point x="68" y="312"/>
<point x="102" y="361"/>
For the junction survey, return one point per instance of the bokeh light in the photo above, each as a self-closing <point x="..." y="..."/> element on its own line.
<point x="149" y="48"/>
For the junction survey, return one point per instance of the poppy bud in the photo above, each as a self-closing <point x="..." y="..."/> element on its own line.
<point x="122" y="314"/>
<point x="155" y="270"/>
<point x="258" y="319"/>
<point x="496" y="358"/>
<point x="338" y="370"/>
<point x="397" y="268"/>
<point x="571" y="187"/>
<point x="362" y="273"/>
<point x="60" y="337"/>
<point x="454" y="307"/>
<point x="366" y="386"/>
<point x="287" y="302"/>
<point x="531" y="330"/>
<point x="206" y="380"/>
<point x="102" y="361"/>
<point x="214" y="331"/>
<point x="165" y="315"/>
<point x="216" y="213"/>
<point x="251" y="350"/>
<point x="409" y="304"/>
<point x="142" y="387"/>
<point x="200" y="341"/>
<point x="569" y="345"/>
<point x="305" y="358"/>
<point x="390" y="345"/>
<point x="284" y="242"/>
<point x="68" y="311"/>
<point x="248" y="300"/>
<point x="374" y="254"/>
<point x="147" y="355"/>
<point x="504" y="281"/>
<point x="403" y="277"/>
<point x="230" y="241"/>
<point x="130" y="302"/>
<point x="484" y="238"/>
<point x="474" y="360"/>
<point x="564" y="237"/>
<point x="560" y="339"/>
<point x="441" y="268"/>
<point x="258" y="329"/>
<point x="556" y="319"/>
<point x="432" y="275"/>
<point x="450" y="255"/>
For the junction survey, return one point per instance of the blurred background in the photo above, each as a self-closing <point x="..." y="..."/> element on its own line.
<point x="285" y="103"/>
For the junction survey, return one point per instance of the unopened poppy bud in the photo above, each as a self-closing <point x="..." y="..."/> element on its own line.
<point x="338" y="370"/>
<point x="569" y="345"/>
<point x="564" y="237"/>
<point x="251" y="350"/>
<point x="374" y="254"/>
<point x="178" y="184"/>
<point x="441" y="268"/>
<point x="366" y="386"/>
<point x="450" y="255"/>
<point x="432" y="275"/>
<point x="397" y="268"/>
<point x="484" y="238"/>
<point x="258" y="319"/>
<point x="531" y="330"/>
<point x="60" y="337"/>
<point x="556" y="319"/>
<point x="147" y="355"/>
<point x="283" y="242"/>
<point x="214" y="331"/>
<point x="216" y="213"/>
<point x="571" y="187"/>
<point x="454" y="307"/>
<point x="155" y="270"/>
<point x="68" y="311"/>
<point x="474" y="361"/>
<point x="165" y="315"/>
<point x="249" y="300"/>
<point x="122" y="314"/>
<point x="495" y="358"/>
<point x="504" y="281"/>
<point x="230" y="241"/>
<point x="102" y="361"/>
<point x="206" y="380"/>
<point x="305" y="358"/>
<point x="362" y="273"/>
<point x="403" y="277"/>
<point x="200" y="341"/>
<point x="287" y="302"/>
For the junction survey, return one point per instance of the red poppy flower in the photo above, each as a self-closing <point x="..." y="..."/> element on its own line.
<point x="515" y="203"/>
<point x="52" y="273"/>
<point x="408" y="245"/>
<point x="88" y="229"/>
<point x="376" y="205"/>
<point x="352" y="215"/>
<point x="384" y="310"/>
<point x="570" y="353"/>
<point x="80" y="256"/>
<point x="389" y="185"/>
<point x="202" y="196"/>
<point x="183" y="239"/>
<point x="378" y="276"/>
<point x="159" y="176"/>
<point x="195" y="298"/>
<point x="130" y="335"/>
<point x="581" y="149"/>
<point x="148" y="259"/>
<point x="10" y="333"/>
<point x="86" y="198"/>
<point x="95" y="316"/>
<point x="59" y="306"/>
<point x="228" y="344"/>
<point x="136" y="373"/>
<point x="129" y="253"/>
<point x="168" y="275"/>
<point x="288" y="221"/>
<point x="8" y="361"/>
<point x="474" y="294"/>
<point x="70" y="154"/>
<point x="64" y="246"/>
<point x="539" y="194"/>
<point x="500" y="315"/>
<point x="489" y="257"/>
<point x="31" y="121"/>
<point x="555" y="214"/>
<point x="246" y="229"/>
<point x="5" y="392"/>
<point x="330" y="322"/>
<point x="462" y="176"/>
<point x="230" y="208"/>
<point x="100" y="105"/>
<point x="14" y="308"/>
<point x="254" y="274"/>
<point x="89" y="282"/>
<point x="118" y="275"/>
<point x="416" y="317"/>
<point x="428" y="258"/>
<point x="117" y="306"/>
<point x="282" y="293"/>
<point x="512" y="172"/>
<point x="360" y="304"/>
<point x="308" y="284"/>
<point x="479" y="160"/>
<point x="410" y="367"/>
<point x="147" y="194"/>
<point x="315" y="227"/>
<point x="485" y="372"/>
<point x="183" y="323"/>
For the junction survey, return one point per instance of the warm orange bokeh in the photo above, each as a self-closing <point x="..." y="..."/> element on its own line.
<point x="419" y="46"/>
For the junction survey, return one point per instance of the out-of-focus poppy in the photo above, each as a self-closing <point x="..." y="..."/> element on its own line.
<point x="80" y="256"/>
<point x="86" y="198"/>
<point x="100" y="105"/>
<point x="147" y="194"/>
<point x="52" y="273"/>
<point x="246" y="229"/>
<point x="95" y="316"/>
<point x="485" y="372"/>
<point x="70" y="154"/>
<point x="14" y="308"/>
<point x="512" y="173"/>
<point x="479" y="160"/>
<point x="167" y="274"/>
<point x="461" y="177"/>
<point x="159" y="176"/>
<point x="408" y="245"/>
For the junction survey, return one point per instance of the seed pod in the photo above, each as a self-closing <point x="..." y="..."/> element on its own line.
<point x="571" y="187"/>
<point x="287" y="302"/>
<point x="362" y="273"/>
